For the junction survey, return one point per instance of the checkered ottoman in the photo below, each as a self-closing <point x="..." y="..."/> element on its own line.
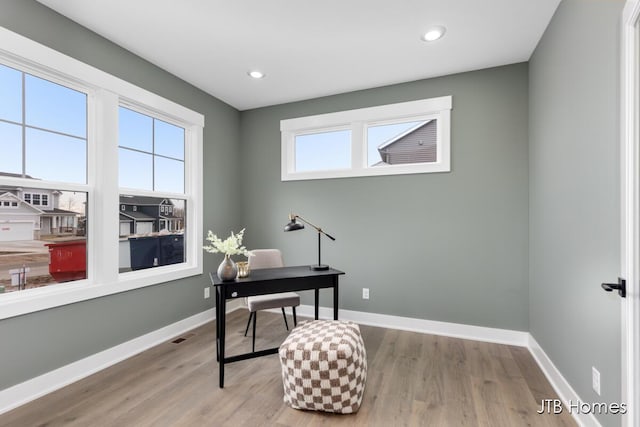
<point x="324" y="366"/>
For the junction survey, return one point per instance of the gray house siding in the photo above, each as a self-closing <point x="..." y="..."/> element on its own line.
<point x="418" y="146"/>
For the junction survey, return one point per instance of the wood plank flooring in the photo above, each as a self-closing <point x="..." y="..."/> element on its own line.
<point x="413" y="380"/>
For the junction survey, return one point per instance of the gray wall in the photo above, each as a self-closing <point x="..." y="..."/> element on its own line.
<point x="574" y="195"/>
<point x="446" y="246"/>
<point x="36" y="343"/>
<point x="451" y="246"/>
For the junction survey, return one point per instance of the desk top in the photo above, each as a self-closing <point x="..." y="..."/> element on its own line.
<point x="270" y="274"/>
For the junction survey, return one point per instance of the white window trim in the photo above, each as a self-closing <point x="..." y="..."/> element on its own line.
<point x="105" y="94"/>
<point x="358" y="120"/>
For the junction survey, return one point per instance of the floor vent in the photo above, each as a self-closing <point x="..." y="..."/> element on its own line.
<point x="184" y="338"/>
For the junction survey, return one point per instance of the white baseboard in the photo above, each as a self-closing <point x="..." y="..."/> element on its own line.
<point x="456" y="330"/>
<point x="34" y="388"/>
<point x="500" y="336"/>
<point x="566" y="393"/>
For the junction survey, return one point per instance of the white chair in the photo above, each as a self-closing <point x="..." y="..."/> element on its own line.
<point x="269" y="258"/>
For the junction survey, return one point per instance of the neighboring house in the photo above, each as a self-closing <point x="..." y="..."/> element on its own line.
<point x="416" y="145"/>
<point x="144" y="215"/>
<point x="29" y="213"/>
<point x="18" y="220"/>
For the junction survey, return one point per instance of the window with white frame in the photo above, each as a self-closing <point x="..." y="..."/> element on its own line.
<point x="151" y="167"/>
<point x="43" y="129"/>
<point x="63" y="124"/>
<point x="402" y="138"/>
<point x="36" y="199"/>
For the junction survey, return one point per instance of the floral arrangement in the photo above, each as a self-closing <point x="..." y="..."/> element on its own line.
<point x="232" y="245"/>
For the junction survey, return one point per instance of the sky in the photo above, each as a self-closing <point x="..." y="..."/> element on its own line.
<point x="44" y="130"/>
<point x="332" y="150"/>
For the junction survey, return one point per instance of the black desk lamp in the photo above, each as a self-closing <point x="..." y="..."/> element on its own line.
<point x="293" y="226"/>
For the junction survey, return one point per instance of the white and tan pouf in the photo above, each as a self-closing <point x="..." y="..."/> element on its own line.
<point x="324" y="366"/>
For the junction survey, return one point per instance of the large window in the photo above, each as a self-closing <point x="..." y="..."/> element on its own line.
<point x="43" y="128"/>
<point x="151" y="161"/>
<point x="409" y="137"/>
<point x="94" y="172"/>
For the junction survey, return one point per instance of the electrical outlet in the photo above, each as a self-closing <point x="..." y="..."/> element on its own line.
<point x="365" y="293"/>
<point x="207" y="292"/>
<point x="595" y="379"/>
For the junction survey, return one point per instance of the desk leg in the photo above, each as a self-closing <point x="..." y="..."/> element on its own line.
<point x="222" y="319"/>
<point x="335" y="299"/>
<point x="317" y="306"/>
<point x="216" y="290"/>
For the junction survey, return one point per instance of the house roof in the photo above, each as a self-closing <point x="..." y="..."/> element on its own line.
<point x="144" y="200"/>
<point x="15" y="175"/>
<point x="11" y="196"/>
<point x="56" y="211"/>
<point x="138" y="216"/>
<point x="124" y="218"/>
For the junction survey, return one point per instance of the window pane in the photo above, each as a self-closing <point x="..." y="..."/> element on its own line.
<point x="10" y="94"/>
<point x="10" y="148"/>
<point x="323" y="151"/>
<point x="169" y="140"/>
<point x="169" y="175"/>
<point x="54" y="107"/>
<point x="402" y="143"/>
<point x="152" y="234"/>
<point x="135" y="130"/>
<point x="42" y="246"/>
<point x="55" y="157"/>
<point x="135" y="169"/>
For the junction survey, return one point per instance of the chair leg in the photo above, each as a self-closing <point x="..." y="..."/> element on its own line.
<point x="295" y="321"/>
<point x="248" y="323"/>
<point x="253" y="341"/>
<point x="286" y="325"/>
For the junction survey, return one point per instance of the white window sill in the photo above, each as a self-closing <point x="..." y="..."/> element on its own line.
<point x="30" y="300"/>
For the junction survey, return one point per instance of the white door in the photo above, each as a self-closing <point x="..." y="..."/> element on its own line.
<point x="630" y="163"/>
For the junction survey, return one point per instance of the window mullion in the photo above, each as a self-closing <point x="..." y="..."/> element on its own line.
<point x="103" y="179"/>
<point x="357" y="145"/>
<point x="24" y="127"/>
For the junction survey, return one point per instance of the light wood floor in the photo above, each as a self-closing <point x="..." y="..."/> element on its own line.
<point x="413" y="379"/>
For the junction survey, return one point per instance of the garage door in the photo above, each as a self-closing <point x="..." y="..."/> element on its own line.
<point x="12" y="231"/>
<point x="144" y="227"/>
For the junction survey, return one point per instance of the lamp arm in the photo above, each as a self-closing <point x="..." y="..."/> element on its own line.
<point x="318" y="229"/>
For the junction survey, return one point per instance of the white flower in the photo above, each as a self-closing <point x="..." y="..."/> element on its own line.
<point x="232" y="245"/>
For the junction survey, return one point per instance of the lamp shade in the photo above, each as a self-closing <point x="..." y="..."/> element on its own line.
<point x="293" y="226"/>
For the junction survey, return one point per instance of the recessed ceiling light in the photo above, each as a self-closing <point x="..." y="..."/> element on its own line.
<point x="255" y="74"/>
<point x="434" y="34"/>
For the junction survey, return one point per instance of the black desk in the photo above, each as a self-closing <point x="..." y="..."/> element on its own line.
<point x="262" y="282"/>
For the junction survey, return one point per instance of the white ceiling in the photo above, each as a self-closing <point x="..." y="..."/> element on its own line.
<point x="312" y="48"/>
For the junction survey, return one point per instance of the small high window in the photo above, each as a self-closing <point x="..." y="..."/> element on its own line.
<point x="409" y="137"/>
